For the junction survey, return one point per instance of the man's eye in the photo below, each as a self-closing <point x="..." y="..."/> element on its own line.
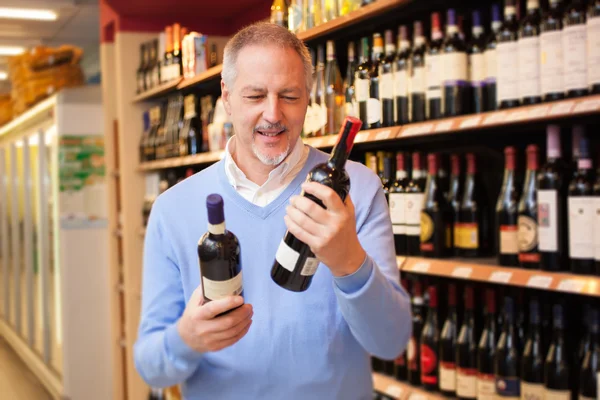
<point x="254" y="97"/>
<point x="290" y="98"/>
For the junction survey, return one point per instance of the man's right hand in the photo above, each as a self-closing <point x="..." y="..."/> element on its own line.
<point x="203" y="331"/>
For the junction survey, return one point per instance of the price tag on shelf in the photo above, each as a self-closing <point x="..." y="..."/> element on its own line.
<point x="539" y="281"/>
<point x="417" y="130"/>
<point x="444" y="126"/>
<point x="470" y="122"/>
<point x="562" y="108"/>
<point x="571" y="285"/>
<point x="421" y="267"/>
<point x="383" y="135"/>
<point x="462" y="272"/>
<point x="361" y="137"/>
<point x="500" y="277"/>
<point x="538" y="112"/>
<point x="495" y="118"/>
<point x="587" y="106"/>
<point x="394" y="391"/>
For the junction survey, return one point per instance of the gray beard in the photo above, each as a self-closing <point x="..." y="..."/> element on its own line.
<point x="271" y="160"/>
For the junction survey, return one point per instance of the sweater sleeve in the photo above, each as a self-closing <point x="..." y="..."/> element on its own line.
<point x="375" y="306"/>
<point x="160" y="355"/>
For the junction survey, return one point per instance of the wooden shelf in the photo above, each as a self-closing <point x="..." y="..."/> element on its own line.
<point x="401" y="390"/>
<point x="371" y="135"/>
<point x="377" y="8"/>
<point x="160" y="90"/>
<point x="209" y="74"/>
<point x="196" y="159"/>
<point x="484" y="270"/>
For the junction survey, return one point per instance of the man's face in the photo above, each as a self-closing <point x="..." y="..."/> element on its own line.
<point x="268" y="102"/>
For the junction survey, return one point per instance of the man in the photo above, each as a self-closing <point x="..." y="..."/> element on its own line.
<point x="279" y="344"/>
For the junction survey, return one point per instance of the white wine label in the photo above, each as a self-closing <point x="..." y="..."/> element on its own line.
<point x="414" y="204"/>
<point x="508" y="71"/>
<point x="547" y="220"/>
<point x="575" y="59"/>
<point x="310" y="266"/>
<point x="477" y="68"/>
<point x="527" y="234"/>
<point x="597" y="229"/>
<point x="532" y="391"/>
<point x="399" y="229"/>
<point x="581" y="231"/>
<point x="417" y="80"/>
<point x="551" y="62"/>
<point x="455" y="67"/>
<point x="349" y="110"/>
<point x="401" y="83"/>
<point x="362" y="89"/>
<point x="466" y="384"/>
<point x="557" y="394"/>
<point x="447" y="377"/>
<point x="486" y="388"/>
<point x="216" y="290"/>
<point x="373" y="111"/>
<point x="433" y="67"/>
<point x="529" y="67"/>
<point x="509" y="243"/>
<point x="593" y="50"/>
<point x="413" y="230"/>
<point x="386" y="86"/>
<point x="397" y="208"/>
<point x="286" y="256"/>
<point x="491" y="65"/>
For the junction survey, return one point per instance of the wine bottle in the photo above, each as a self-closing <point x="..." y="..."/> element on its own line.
<point x="532" y="363"/>
<point x="466" y="351"/>
<point x="506" y="214"/>
<point x="475" y="50"/>
<point x="418" y="82"/>
<point x="371" y="162"/>
<point x="176" y="61"/>
<point x="414" y="203"/>
<point x="552" y="206"/>
<point x="413" y="350"/>
<point x="374" y="101"/>
<point x="401" y="76"/>
<point x="362" y="81"/>
<point x="398" y="207"/>
<point x="330" y="10"/>
<point x="551" y="51"/>
<point x="401" y="362"/>
<point x="506" y="360"/>
<point x="486" y="384"/>
<point x="507" y="48"/>
<point x="386" y="80"/>
<point x="351" y="106"/>
<point x="455" y="90"/>
<point x="435" y="215"/>
<point x="279" y="13"/>
<point x="387" y="179"/>
<point x="334" y="92"/>
<point x="593" y="46"/>
<point x="295" y="264"/>
<point x="527" y="234"/>
<point x="145" y="136"/>
<point x="596" y="223"/>
<point x="166" y="70"/>
<point x="447" y="351"/>
<point x="586" y="337"/>
<point x="429" y="344"/>
<point x="434" y="66"/>
<point x="189" y="136"/>
<point x="556" y="368"/>
<point x="454" y="194"/>
<point x="295" y="18"/>
<point x="581" y="210"/>
<point x="491" y="62"/>
<point x="219" y="255"/>
<point x="320" y="105"/>
<point x="574" y="49"/>
<point x="141" y="83"/>
<point x="471" y="213"/>
<point x="529" y="55"/>
<point x="588" y="380"/>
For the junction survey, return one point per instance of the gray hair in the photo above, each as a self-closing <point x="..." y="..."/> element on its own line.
<point x="263" y="33"/>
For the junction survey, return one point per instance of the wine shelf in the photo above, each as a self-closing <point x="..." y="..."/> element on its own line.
<point x="401" y="390"/>
<point x="209" y="74"/>
<point x="158" y="91"/>
<point x="196" y="159"/>
<point x="484" y="270"/>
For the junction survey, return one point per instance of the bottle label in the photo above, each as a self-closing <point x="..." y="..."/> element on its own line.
<point x="574" y="52"/>
<point x="215" y="290"/>
<point x="548" y="220"/>
<point x="455" y="70"/>
<point x="414" y="204"/>
<point x="486" y="387"/>
<point x="466" y="383"/>
<point x="597" y="228"/>
<point x="362" y="89"/>
<point x="593" y="50"/>
<point x="477" y="69"/>
<point x="509" y="243"/>
<point x="527" y="234"/>
<point x="433" y="75"/>
<point x="386" y="86"/>
<point x="310" y="267"/>
<point x="491" y="65"/>
<point x="447" y="376"/>
<point x="532" y="391"/>
<point x="373" y="110"/>
<point x="581" y="231"/>
<point x="557" y="394"/>
<point x="411" y="354"/>
<point x="508" y="73"/>
<point x="508" y="388"/>
<point x="551" y="68"/>
<point x="428" y="364"/>
<point x="397" y="208"/>
<point x="529" y="67"/>
<point x="468" y="235"/>
<point x="401" y="83"/>
<point x="286" y="256"/>
<point x="417" y="80"/>
<point x="308" y="125"/>
<point x="427" y="229"/>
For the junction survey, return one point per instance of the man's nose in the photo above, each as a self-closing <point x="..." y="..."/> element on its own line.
<point x="272" y="112"/>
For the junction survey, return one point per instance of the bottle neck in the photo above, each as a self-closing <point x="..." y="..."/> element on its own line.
<point x="343" y="147"/>
<point x="216" y="229"/>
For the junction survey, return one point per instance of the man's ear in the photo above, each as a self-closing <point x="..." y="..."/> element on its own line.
<point x="225" y="97"/>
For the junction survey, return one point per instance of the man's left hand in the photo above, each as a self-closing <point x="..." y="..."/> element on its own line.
<point x="330" y="233"/>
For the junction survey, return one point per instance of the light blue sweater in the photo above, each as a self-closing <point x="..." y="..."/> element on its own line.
<point x="309" y="345"/>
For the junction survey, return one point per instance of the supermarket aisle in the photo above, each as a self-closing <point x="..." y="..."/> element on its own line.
<point x="16" y="381"/>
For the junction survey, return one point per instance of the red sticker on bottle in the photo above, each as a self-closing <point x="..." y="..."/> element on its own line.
<point x="428" y="365"/>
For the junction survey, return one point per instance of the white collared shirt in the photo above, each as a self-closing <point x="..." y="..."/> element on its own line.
<point x="279" y="178"/>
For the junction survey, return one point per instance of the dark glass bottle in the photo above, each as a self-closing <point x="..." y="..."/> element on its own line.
<point x="506" y="214"/>
<point x="414" y="203"/>
<point x="401" y="76"/>
<point x="455" y="89"/>
<point x="145" y="138"/>
<point x="430" y="344"/>
<point x="529" y="55"/>
<point x="588" y="380"/>
<point x="447" y="351"/>
<point x="397" y="205"/>
<point x="454" y="197"/>
<point x="387" y="179"/>
<point x="435" y="215"/>
<point x="413" y="350"/>
<point x="529" y="256"/>
<point x="491" y="62"/>
<point x="362" y="81"/>
<point x="141" y="81"/>
<point x="435" y="68"/>
<point x="593" y="38"/>
<point x="374" y="100"/>
<point x="177" y="59"/>
<point x="295" y="264"/>
<point x="466" y="351"/>
<point x="486" y="383"/>
<point x="507" y="48"/>
<point x="386" y="80"/>
<point x="557" y="366"/>
<point x="551" y="51"/>
<point x="418" y="75"/>
<point x="507" y="357"/>
<point x="189" y="136"/>
<point x="472" y="218"/>
<point x="532" y="363"/>
<point x="574" y="49"/>
<point x="219" y="255"/>
<point x="476" y="49"/>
